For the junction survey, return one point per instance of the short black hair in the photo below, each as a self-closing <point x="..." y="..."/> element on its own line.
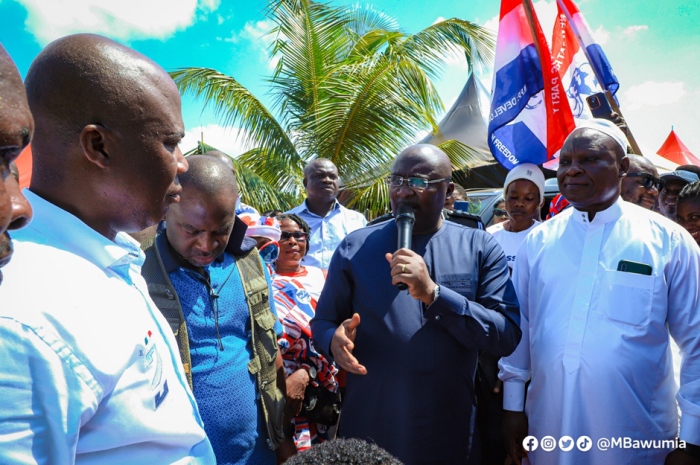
<point x="344" y="451"/>
<point x="272" y="213"/>
<point x="297" y="219"/>
<point x="691" y="191"/>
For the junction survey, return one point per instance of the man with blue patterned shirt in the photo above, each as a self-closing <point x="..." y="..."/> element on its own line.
<point x="329" y="221"/>
<point x="206" y="277"/>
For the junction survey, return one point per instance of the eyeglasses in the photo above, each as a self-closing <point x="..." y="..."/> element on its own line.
<point x="500" y="213"/>
<point x="648" y="181"/>
<point x="417" y="184"/>
<point x="298" y="235"/>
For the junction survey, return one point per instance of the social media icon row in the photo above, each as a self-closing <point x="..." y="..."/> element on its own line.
<point x="565" y="443"/>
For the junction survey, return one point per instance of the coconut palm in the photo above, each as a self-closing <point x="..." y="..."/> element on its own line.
<point x="349" y="86"/>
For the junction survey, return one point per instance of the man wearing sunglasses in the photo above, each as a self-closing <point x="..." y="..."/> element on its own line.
<point x="411" y="354"/>
<point x="641" y="185"/>
<point x="208" y="280"/>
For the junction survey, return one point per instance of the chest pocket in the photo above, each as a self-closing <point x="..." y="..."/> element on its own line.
<point x="460" y="283"/>
<point x="631" y="296"/>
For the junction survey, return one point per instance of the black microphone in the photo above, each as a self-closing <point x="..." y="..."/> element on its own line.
<point x="405" y="218"/>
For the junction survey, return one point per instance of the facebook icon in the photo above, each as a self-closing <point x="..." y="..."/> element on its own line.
<point x="530" y="443"/>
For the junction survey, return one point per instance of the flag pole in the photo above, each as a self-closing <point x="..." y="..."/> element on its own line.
<point x="608" y="95"/>
<point x="531" y="22"/>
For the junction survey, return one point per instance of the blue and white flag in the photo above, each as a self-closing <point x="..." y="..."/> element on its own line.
<point x="530" y="114"/>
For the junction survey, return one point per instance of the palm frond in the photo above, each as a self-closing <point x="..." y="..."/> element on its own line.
<point x="461" y="155"/>
<point x="311" y="38"/>
<point x="235" y="106"/>
<point x="255" y="191"/>
<point x="431" y="47"/>
<point x="372" y="199"/>
<point x="252" y="189"/>
<point x="374" y="110"/>
<point x="363" y="19"/>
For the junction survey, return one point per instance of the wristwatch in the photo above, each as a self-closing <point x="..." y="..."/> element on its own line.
<point x="436" y="293"/>
<point x="311" y="370"/>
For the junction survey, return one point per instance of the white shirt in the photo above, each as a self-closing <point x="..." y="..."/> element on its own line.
<point x="90" y="368"/>
<point x="596" y="340"/>
<point x="327" y="231"/>
<point x="510" y="241"/>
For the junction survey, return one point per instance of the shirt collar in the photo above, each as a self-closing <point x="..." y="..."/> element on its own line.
<point x="80" y="239"/>
<point x="612" y="213"/>
<point x="238" y="244"/>
<point x="336" y="206"/>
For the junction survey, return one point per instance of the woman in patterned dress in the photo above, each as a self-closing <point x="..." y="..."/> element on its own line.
<point x="296" y="290"/>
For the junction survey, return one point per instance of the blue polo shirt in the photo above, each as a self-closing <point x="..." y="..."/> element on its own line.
<point x="225" y="390"/>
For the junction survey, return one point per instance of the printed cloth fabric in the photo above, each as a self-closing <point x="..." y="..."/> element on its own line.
<point x="295" y="296"/>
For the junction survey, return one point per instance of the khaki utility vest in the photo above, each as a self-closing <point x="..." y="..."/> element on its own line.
<point x="262" y="321"/>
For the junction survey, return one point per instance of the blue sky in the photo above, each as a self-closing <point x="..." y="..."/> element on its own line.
<point x="653" y="47"/>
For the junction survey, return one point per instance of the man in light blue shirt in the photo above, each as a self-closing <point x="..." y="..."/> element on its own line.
<point x="16" y="128"/>
<point x="90" y="372"/>
<point x="329" y="221"/>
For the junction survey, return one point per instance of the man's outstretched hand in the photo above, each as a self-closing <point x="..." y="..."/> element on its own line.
<point x="343" y="344"/>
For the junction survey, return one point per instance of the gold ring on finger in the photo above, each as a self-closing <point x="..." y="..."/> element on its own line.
<point x="403" y="268"/>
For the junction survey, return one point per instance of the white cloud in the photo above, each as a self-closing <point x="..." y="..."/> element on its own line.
<point x="601" y="36"/>
<point x="228" y="140"/>
<point x="438" y="20"/>
<point x="124" y="20"/>
<point x="652" y="93"/>
<point x="631" y="31"/>
<point x="258" y="34"/>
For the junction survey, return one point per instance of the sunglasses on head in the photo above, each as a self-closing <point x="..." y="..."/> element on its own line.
<point x="298" y="235"/>
<point x="648" y="181"/>
<point x="500" y="213"/>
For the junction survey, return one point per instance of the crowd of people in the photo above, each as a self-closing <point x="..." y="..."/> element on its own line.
<point x="147" y="315"/>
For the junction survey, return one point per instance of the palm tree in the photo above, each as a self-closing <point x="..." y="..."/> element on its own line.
<point x="349" y="86"/>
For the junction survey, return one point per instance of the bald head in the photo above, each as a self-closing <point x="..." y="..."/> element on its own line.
<point x="208" y="175"/>
<point x="427" y="154"/>
<point x="642" y="164"/>
<point x="86" y="79"/>
<point x="108" y="124"/>
<point x="316" y="164"/>
<point x="221" y="156"/>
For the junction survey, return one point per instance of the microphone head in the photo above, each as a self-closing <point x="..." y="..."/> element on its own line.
<point x="405" y="213"/>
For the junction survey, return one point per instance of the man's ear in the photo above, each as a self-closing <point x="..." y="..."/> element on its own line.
<point x="304" y="182"/>
<point x="450" y="190"/>
<point x="94" y="139"/>
<point x="624" y="166"/>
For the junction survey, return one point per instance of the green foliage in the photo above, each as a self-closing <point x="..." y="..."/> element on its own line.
<point x="349" y="86"/>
